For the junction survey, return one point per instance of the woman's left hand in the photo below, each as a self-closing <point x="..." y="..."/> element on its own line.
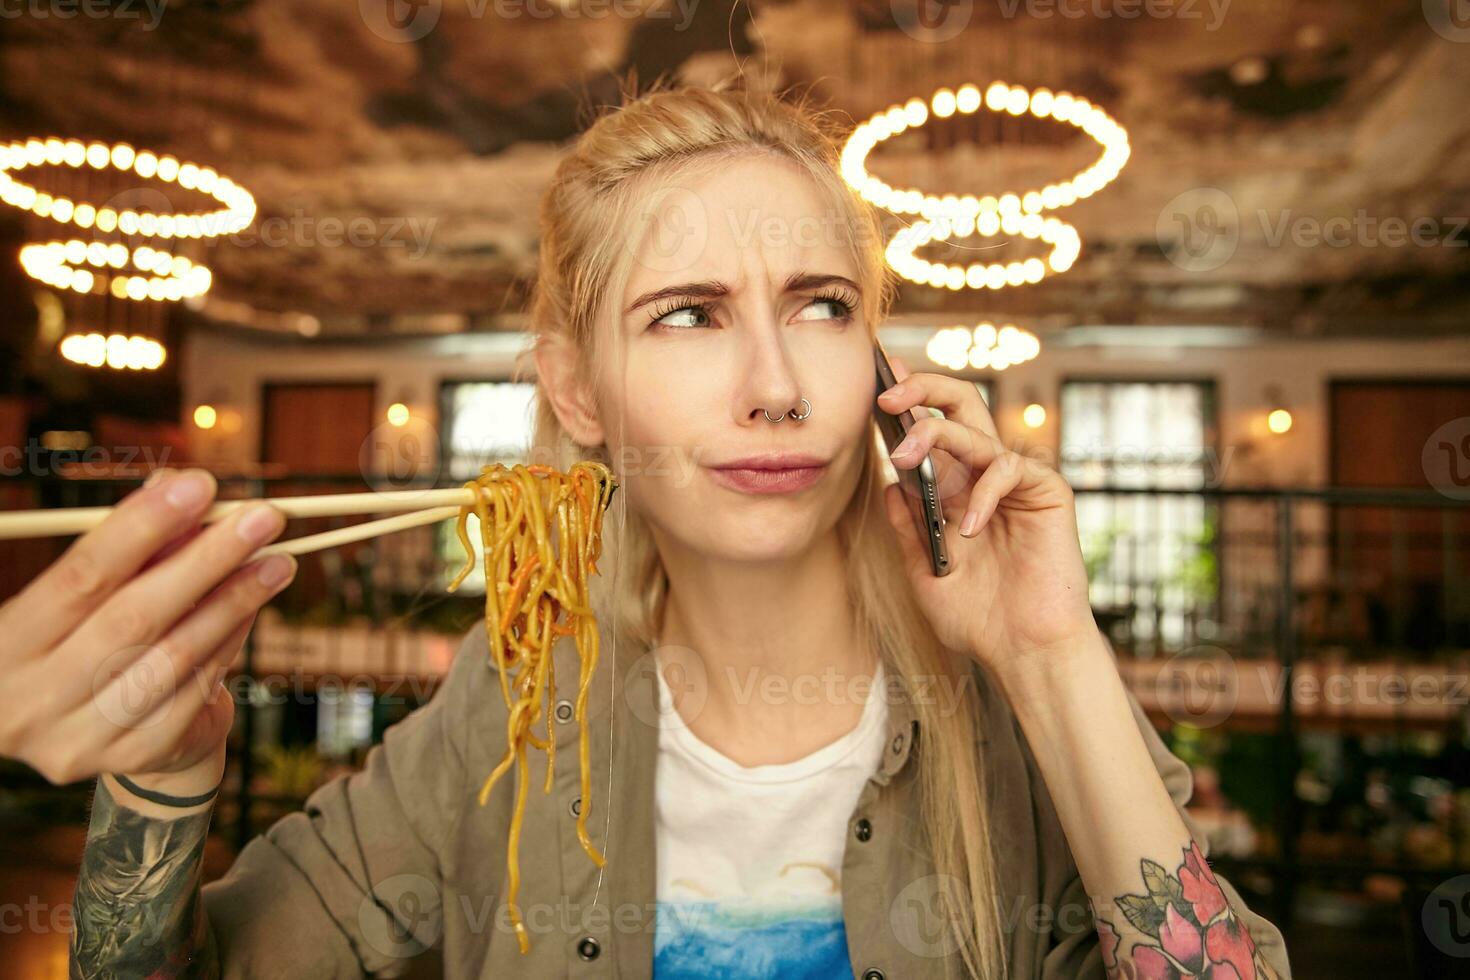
<point x="1017" y="586"/>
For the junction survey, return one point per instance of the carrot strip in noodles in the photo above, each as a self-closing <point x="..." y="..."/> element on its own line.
<point x="540" y="538"/>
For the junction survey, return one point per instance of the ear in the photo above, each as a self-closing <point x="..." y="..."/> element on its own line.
<point x="571" y="400"/>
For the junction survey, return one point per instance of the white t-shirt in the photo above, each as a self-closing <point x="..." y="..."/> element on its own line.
<point x="750" y="858"/>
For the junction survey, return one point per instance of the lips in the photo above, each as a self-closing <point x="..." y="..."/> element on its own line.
<point x="772" y="461"/>
<point x="771" y="473"/>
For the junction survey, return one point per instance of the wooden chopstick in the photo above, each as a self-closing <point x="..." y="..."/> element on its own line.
<point x="79" y="520"/>
<point x="423" y="507"/>
<point x="357" y="532"/>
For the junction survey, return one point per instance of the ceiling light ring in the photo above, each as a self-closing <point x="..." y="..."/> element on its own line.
<point x="999" y="98"/>
<point x="1065" y="242"/>
<point x="985" y="346"/>
<point x="157" y="275"/>
<point x="236" y="214"/>
<point x="118" y="351"/>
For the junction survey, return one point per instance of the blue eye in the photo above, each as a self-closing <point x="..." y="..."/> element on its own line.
<point x="683" y="314"/>
<point x="836" y="309"/>
<point x="695" y="312"/>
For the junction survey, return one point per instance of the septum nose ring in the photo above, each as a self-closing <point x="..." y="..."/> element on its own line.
<point x="797" y="417"/>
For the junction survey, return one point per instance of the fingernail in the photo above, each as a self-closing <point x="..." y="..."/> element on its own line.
<point x="967" y="526"/>
<point x="275" y="570"/>
<point x="905" y="448"/>
<point x="259" y="524"/>
<point x="187" y="490"/>
<point x="894" y="391"/>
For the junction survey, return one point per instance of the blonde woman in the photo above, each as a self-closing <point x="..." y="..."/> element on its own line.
<point x="810" y="756"/>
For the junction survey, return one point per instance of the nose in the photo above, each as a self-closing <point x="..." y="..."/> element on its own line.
<point x="770" y="386"/>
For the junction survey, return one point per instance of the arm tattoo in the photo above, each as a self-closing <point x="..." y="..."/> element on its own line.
<point x="1182" y="927"/>
<point x="137" y="907"/>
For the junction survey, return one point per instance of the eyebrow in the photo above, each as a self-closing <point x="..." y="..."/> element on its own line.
<point x="797" y="282"/>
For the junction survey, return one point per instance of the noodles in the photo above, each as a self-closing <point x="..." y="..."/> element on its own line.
<point x="530" y="587"/>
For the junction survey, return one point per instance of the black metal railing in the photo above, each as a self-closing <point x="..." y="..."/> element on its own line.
<point x="1293" y="584"/>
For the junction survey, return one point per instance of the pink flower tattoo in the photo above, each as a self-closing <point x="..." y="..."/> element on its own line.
<point x="1182" y="927"/>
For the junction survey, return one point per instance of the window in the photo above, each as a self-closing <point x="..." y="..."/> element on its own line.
<point x="484" y="422"/>
<point x="344" y="720"/>
<point x="1150" y="556"/>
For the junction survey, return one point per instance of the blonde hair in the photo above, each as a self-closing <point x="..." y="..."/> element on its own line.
<point x="629" y="151"/>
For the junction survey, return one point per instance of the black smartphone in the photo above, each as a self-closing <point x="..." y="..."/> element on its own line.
<point x="918" y="483"/>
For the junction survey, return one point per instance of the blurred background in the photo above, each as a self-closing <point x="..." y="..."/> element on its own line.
<point x="291" y="242"/>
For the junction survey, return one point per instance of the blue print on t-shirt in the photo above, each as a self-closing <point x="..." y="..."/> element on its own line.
<point x="765" y="941"/>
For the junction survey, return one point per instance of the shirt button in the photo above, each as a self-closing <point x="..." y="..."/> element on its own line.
<point x="575" y="807"/>
<point x="873" y="974"/>
<point x="564" y="710"/>
<point x="588" y="948"/>
<point x="864" y="829"/>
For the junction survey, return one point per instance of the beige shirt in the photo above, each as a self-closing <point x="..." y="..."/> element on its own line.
<point x="400" y="856"/>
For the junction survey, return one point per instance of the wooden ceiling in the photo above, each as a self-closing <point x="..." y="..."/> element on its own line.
<point x="397" y="167"/>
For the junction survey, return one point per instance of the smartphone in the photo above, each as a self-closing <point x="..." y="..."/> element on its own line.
<point x="919" y="483"/>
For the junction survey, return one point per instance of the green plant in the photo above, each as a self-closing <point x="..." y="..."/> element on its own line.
<point x="1198" y="573"/>
<point x="1251" y="777"/>
<point x="1097" y="550"/>
<point x="1196" y="746"/>
<point x="294" y="771"/>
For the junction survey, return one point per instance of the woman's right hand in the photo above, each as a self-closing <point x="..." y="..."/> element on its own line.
<point x="111" y="660"/>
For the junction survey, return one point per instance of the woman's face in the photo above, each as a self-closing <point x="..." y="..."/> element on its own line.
<point x="742" y="299"/>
